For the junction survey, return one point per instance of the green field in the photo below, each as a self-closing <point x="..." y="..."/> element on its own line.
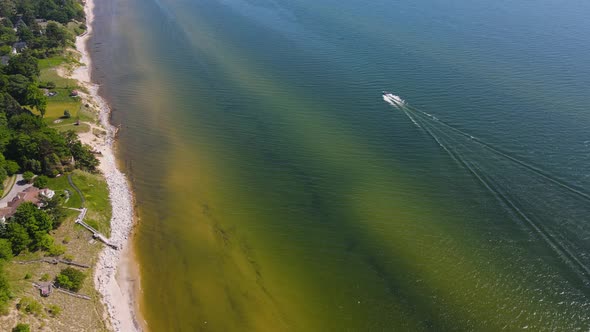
<point x="96" y="193"/>
<point x="57" y="104"/>
<point x="60" y="184"/>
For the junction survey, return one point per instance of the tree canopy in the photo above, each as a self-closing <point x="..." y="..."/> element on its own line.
<point x="70" y="278"/>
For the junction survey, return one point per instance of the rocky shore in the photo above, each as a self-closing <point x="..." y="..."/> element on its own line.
<point x="113" y="278"/>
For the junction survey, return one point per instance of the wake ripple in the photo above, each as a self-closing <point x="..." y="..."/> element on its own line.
<point x="548" y="207"/>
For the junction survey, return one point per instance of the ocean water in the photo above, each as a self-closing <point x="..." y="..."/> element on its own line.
<point x="278" y="191"/>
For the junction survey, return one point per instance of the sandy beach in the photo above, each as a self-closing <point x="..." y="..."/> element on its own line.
<point x="115" y="277"/>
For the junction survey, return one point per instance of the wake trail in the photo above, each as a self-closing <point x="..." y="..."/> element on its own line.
<point x="549" y="208"/>
<point x="498" y="187"/>
<point x="500" y="152"/>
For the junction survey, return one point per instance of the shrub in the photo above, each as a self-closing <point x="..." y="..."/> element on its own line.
<point x="28" y="176"/>
<point x="21" y="328"/>
<point x="46" y="242"/>
<point x="44" y="277"/>
<point x="67" y="114"/>
<point x="28" y="276"/>
<point x="5" y="294"/>
<point x="70" y="278"/>
<point x="56" y="250"/>
<point x="30" y="306"/>
<point x="54" y="310"/>
<point x="5" y="249"/>
<point x="40" y="181"/>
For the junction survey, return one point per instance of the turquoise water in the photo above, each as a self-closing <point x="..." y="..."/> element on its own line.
<point x="277" y="190"/>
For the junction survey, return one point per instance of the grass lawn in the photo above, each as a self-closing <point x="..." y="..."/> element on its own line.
<point x="51" y="62"/>
<point x="63" y="86"/>
<point x="7" y="185"/>
<point x="51" y="75"/>
<point x="55" y="110"/>
<point x="96" y="192"/>
<point x="60" y="184"/>
<point x="82" y="128"/>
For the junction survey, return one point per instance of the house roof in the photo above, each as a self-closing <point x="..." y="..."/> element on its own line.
<point x="30" y="194"/>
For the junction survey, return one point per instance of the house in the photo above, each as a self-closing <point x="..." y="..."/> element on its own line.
<point x="20" y="23"/>
<point x="42" y="23"/>
<point x="31" y="194"/>
<point x="4" y="60"/>
<point x="18" y="47"/>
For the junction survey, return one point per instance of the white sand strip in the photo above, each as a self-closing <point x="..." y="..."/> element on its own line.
<point x="114" y="278"/>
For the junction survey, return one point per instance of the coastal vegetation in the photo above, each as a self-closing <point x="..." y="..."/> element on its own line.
<point x="21" y="328"/>
<point x="70" y="279"/>
<point x="34" y="39"/>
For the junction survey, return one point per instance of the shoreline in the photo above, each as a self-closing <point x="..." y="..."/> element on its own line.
<point x="116" y="276"/>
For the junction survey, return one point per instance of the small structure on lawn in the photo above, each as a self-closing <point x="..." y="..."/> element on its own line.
<point x="74" y="93"/>
<point x="45" y="290"/>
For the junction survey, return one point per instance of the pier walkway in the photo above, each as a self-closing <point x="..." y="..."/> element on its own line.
<point x="96" y="234"/>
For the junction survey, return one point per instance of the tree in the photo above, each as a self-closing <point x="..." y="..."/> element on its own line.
<point x="63" y="281"/>
<point x="71" y="279"/>
<point x="28" y="176"/>
<point x="46" y="242"/>
<point x="40" y="181"/>
<point x="85" y="159"/>
<point x="25" y="34"/>
<point x="67" y="114"/>
<point x="24" y="64"/>
<point x="8" y="104"/>
<point x="11" y="167"/>
<point x="3" y="176"/>
<point x="54" y="208"/>
<point x="18" y="236"/>
<point x="5" y="294"/>
<point x="52" y="165"/>
<point x="29" y="228"/>
<point x="7" y="9"/>
<point x="5" y="249"/>
<point x="18" y="87"/>
<point x="36" y="98"/>
<point x="56" y="35"/>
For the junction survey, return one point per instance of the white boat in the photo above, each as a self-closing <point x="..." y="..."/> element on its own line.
<point x="393" y="99"/>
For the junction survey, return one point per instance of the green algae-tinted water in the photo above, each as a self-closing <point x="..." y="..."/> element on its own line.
<point x="277" y="191"/>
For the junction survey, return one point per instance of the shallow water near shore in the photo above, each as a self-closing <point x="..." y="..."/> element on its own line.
<point x="277" y="191"/>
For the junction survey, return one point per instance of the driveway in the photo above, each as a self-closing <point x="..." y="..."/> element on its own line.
<point x="18" y="187"/>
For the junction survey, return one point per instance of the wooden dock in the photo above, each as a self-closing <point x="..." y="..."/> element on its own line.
<point x="46" y="288"/>
<point x="95" y="234"/>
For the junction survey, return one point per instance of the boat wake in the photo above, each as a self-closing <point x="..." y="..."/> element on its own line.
<point x="393" y="100"/>
<point x="546" y="206"/>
